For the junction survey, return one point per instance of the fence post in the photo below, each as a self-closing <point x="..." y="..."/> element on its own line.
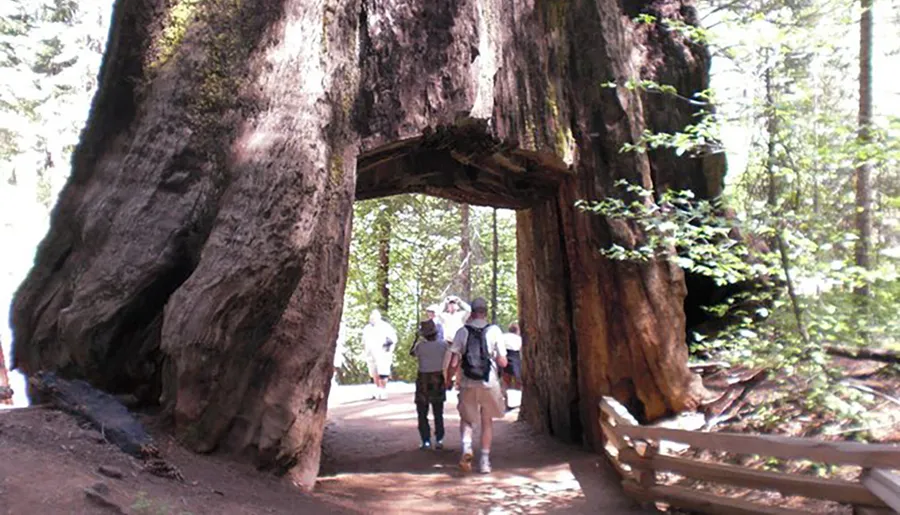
<point x="646" y="449"/>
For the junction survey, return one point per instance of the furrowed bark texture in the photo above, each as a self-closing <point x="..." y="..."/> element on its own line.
<point x="595" y="326"/>
<point x="197" y="256"/>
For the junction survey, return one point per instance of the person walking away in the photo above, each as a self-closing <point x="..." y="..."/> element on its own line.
<point x="379" y="339"/>
<point x="478" y="351"/>
<point x="430" y="314"/>
<point x="430" y="391"/>
<point x="512" y="373"/>
<point x="453" y="315"/>
<point x="340" y="349"/>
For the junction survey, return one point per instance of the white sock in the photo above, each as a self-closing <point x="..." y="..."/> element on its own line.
<point x="485" y="454"/>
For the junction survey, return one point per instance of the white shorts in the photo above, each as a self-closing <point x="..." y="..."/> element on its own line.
<point x="473" y="401"/>
<point x="380" y="365"/>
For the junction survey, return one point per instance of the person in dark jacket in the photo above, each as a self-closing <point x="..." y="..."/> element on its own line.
<point x="430" y="389"/>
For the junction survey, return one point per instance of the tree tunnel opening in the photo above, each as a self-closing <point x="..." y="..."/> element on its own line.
<point x="471" y="186"/>
<point x="217" y="211"/>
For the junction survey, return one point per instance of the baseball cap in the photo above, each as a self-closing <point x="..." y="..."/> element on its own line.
<point x="479" y="305"/>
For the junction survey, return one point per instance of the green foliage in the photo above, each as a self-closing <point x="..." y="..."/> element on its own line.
<point x="786" y="78"/>
<point x="683" y="229"/>
<point x="50" y="53"/>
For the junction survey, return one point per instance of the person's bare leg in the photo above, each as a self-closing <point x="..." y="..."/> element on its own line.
<point x="465" y="437"/>
<point x="504" y="388"/>
<point x="487" y="431"/>
<point x="487" y="436"/>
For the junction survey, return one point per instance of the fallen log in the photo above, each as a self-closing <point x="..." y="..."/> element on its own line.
<point x="724" y="407"/>
<point x="882" y="355"/>
<point x="106" y="414"/>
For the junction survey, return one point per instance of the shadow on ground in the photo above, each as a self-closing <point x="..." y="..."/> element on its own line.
<point x="371" y="462"/>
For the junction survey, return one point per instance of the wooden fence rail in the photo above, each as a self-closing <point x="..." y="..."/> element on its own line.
<point x="634" y="452"/>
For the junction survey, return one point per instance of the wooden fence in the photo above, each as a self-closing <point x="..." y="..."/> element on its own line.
<point x="634" y="452"/>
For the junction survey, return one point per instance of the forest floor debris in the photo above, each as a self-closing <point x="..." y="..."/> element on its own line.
<point x="758" y="401"/>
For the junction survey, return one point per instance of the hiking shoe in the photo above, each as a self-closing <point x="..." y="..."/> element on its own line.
<point x="485" y="466"/>
<point x="439" y="445"/>
<point x="465" y="463"/>
<point x="425" y="445"/>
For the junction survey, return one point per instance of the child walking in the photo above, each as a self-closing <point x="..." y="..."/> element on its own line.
<point x="430" y="392"/>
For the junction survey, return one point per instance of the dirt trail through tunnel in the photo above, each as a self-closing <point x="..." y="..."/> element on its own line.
<point x="371" y="462"/>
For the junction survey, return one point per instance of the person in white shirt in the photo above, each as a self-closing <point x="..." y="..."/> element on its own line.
<point x="453" y="315"/>
<point x="379" y="341"/>
<point x="480" y="398"/>
<point x="512" y="373"/>
<point x="513" y="343"/>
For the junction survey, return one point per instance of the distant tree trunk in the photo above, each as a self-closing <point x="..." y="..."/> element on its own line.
<point x="771" y="134"/>
<point x="465" y="247"/>
<point x="383" y="228"/>
<point x="197" y="256"/>
<point x="864" y="169"/>
<point x="772" y="201"/>
<point x="494" y="266"/>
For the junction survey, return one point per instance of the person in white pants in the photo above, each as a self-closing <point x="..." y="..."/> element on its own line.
<point x="379" y="341"/>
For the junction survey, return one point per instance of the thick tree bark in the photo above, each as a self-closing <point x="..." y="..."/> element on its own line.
<point x="197" y="256"/>
<point x="595" y="326"/>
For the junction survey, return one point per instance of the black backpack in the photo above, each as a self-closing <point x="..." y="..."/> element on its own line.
<point x="476" y="358"/>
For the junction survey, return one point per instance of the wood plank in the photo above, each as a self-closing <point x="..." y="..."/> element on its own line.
<point x="616" y="412"/>
<point x="611" y="436"/>
<point x="849" y="453"/>
<point x="836" y="490"/>
<point x="885" y="485"/>
<point x="620" y="468"/>
<point x="702" y="502"/>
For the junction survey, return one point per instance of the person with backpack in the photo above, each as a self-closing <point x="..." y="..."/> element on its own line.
<point x="430" y="391"/>
<point x="478" y="350"/>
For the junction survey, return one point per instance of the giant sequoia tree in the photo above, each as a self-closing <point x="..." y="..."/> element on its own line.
<point x="197" y="256"/>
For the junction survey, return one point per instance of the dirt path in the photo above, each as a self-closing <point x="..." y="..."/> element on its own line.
<point x="371" y="462"/>
<point x="48" y="462"/>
